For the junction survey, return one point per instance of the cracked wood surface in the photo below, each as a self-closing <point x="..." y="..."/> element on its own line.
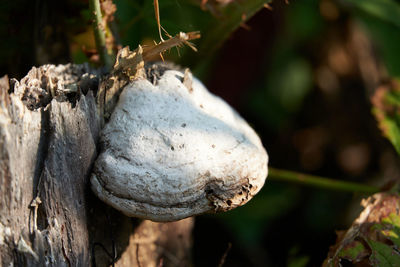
<point x="49" y="128"/>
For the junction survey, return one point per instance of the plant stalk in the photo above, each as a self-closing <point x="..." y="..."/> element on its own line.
<point x="320" y="182"/>
<point x="99" y="33"/>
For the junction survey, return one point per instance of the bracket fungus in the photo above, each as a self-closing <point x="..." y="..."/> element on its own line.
<point x="171" y="150"/>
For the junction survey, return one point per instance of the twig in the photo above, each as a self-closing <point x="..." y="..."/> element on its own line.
<point x="157" y="13"/>
<point x="161" y="263"/>
<point x="99" y="33"/>
<point x="180" y="39"/>
<point x="321" y="182"/>
<point x="222" y="261"/>
<point x="137" y="256"/>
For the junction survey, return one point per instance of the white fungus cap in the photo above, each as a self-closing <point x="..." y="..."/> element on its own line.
<point x="171" y="151"/>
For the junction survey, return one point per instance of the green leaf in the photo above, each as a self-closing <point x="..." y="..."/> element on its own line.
<point x="138" y="25"/>
<point x="233" y="15"/>
<point x="301" y="261"/>
<point x="353" y="252"/>
<point x="383" y="255"/>
<point x="390" y="227"/>
<point x="386" y="37"/>
<point x="251" y="220"/>
<point x="386" y="102"/>
<point x="381" y="20"/>
<point x="282" y="94"/>
<point x="386" y="10"/>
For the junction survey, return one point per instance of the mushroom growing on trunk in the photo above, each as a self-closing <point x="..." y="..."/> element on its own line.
<point x="172" y="150"/>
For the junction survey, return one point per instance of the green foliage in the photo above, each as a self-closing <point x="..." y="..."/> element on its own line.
<point x="385" y="252"/>
<point x="374" y="238"/>
<point x="138" y="24"/>
<point x="386" y="102"/>
<point x="301" y="261"/>
<point x="284" y="91"/>
<point x="288" y="76"/>
<point x="250" y="221"/>
<point x="296" y="259"/>
<point x="353" y="252"/>
<point x="79" y="57"/>
<point x="381" y="19"/>
<point x="383" y="255"/>
<point x="386" y="10"/>
<point x="390" y="228"/>
<point x="220" y="28"/>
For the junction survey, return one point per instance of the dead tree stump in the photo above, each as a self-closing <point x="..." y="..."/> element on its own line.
<point x="49" y="129"/>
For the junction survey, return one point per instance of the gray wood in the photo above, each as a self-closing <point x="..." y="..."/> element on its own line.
<point x="49" y="128"/>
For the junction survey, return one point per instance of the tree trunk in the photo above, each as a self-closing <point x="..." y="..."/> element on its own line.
<point x="49" y="129"/>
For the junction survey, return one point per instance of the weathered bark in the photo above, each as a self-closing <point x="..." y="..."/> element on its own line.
<point x="49" y="128"/>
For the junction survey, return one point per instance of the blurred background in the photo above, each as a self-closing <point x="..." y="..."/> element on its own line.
<point x="301" y="73"/>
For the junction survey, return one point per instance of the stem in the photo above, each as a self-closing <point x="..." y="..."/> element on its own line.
<point x="178" y="40"/>
<point x="99" y="33"/>
<point x="321" y="182"/>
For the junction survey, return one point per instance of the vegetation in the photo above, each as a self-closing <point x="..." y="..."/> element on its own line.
<point x="317" y="79"/>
